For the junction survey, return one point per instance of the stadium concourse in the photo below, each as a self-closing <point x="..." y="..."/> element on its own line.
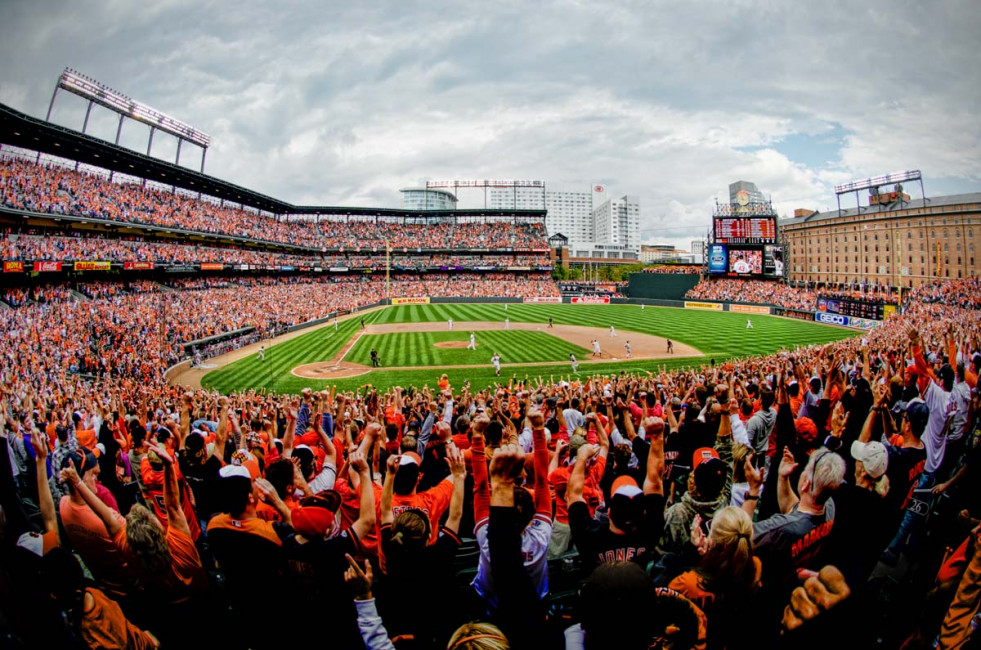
<point x="802" y="499"/>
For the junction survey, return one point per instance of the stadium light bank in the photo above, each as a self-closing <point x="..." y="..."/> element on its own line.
<point x="101" y="94"/>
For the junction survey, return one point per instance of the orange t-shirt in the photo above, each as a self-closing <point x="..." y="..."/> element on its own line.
<point x="433" y="502"/>
<point x="86" y="438"/>
<point x="105" y="626"/>
<point x="186" y="573"/>
<point x="89" y="537"/>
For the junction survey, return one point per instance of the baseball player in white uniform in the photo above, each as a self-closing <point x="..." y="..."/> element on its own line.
<point x="596" y="348"/>
<point x="473" y="342"/>
<point x="496" y="361"/>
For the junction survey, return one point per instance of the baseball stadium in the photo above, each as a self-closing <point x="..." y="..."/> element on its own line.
<point x="216" y="402"/>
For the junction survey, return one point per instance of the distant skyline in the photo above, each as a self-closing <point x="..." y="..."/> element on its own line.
<point x="346" y="103"/>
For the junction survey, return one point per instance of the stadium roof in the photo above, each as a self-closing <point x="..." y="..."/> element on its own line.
<point x="886" y="210"/>
<point x="21" y="130"/>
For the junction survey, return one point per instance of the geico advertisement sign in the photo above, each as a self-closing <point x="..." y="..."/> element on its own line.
<point x="831" y="319"/>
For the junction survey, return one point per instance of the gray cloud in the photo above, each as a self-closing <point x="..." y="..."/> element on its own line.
<point x="343" y="103"/>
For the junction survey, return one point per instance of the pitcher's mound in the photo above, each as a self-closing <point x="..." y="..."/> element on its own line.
<point x="451" y="344"/>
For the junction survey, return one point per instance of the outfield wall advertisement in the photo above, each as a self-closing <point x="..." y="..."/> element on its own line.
<point x="550" y="299"/>
<point x="591" y="300"/>
<point x="749" y="309"/>
<point x="421" y="300"/>
<point x="832" y="319"/>
<point x="712" y="306"/>
<point x="92" y="266"/>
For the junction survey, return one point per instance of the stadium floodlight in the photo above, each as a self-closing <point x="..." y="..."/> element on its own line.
<point x="879" y="181"/>
<point x="103" y="95"/>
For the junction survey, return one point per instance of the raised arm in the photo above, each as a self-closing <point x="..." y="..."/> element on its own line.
<point x="577" y="478"/>
<point x="654" y="433"/>
<point x="172" y="501"/>
<point x="40" y="443"/>
<point x="786" y="498"/>
<point x="366" y="513"/>
<point x="104" y="512"/>
<point x="481" y="486"/>
<point x="459" y="470"/>
<point x="388" y="489"/>
<point x="543" y="498"/>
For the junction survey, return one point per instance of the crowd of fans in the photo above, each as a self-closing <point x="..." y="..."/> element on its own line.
<point x="776" y="501"/>
<point x="753" y="291"/>
<point x="965" y="293"/>
<point x="53" y="189"/>
<point x="19" y="247"/>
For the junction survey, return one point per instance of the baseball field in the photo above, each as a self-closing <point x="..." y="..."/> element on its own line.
<point x="415" y="344"/>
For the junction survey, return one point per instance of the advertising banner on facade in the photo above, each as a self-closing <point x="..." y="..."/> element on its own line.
<point x="591" y="300"/>
<point x="212" y="266"/>
<point x="421" y="300"/>
<point x="44" y="267"/>
<point x="550" y="299"/>
<point x="13" y="267"/>
<point x="749" y="309"/>
<point x="92" y="266"/>
<point x="711" y="306"/>
<point x="137" y="266"/>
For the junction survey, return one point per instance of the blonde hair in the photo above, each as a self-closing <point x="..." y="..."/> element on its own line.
<point x="478" y="636"/>
<point x="147" y="540"/>
<point x="728" y="569"/>
<point x="740" y="452"/>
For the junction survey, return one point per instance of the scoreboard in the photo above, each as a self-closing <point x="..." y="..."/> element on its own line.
<point x="853" y="308"/>
<point x="745" y="230"/>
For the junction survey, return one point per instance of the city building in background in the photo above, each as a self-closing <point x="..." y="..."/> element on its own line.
<point x="698" y="250"/>
<point x="570" y="210"/>
<point x="659" y="253"/>
<point x="742" y="192"/>
<point x="421" y="198"/>
<point x="892" y="242"/>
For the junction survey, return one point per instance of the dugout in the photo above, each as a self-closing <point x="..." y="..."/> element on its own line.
<point x="660" y="286"/>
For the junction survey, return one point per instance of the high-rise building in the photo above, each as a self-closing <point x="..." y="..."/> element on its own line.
<point x="423" y="199"/>
<point x="617" y="221"/>
<point x="569" y="212"/>
<point x="751" y="193"/>
<point x="697" y="250"/>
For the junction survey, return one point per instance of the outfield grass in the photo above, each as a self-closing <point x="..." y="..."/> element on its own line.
<point x="419" y="348"/>
<point x="719" y="335"/>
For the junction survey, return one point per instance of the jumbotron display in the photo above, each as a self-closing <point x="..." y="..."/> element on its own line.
<point x="745" y="230"/>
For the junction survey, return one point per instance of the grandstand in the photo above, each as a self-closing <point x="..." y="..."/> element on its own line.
<point x="117" y="267"/>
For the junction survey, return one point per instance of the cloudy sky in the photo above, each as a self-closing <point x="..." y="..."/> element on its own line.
<point x="343" y="103"/>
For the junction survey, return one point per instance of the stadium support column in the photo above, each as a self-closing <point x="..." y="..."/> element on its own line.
<point x="388" y="267"/>
<point x="119" y="132"/>
<point x="85" y="125"/>
<point x="204" y="152"/>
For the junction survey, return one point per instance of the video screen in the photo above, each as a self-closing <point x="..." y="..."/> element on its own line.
<point x="773" y="261"/>
<point x="746" y="262"/>
<point x="717" y="258"/>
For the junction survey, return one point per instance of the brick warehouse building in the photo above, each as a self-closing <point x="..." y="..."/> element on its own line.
<point x="893" y="243"/>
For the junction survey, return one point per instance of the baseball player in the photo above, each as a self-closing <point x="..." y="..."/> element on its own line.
<point x="473" y="342"/>
<point x="496" y="361"/>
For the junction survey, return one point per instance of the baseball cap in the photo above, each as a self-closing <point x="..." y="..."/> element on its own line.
<point x="625" y="486"/>
<point x="38" y="543"/>
<point x="246" y="459"/>
<point x="82" y="460"/>
<point x="231" y="471"/>
<point x="918" y="414"/>
<point x="703" y="454"/>
<point x="316" y="515"/>
<point x="947" y="373"/>
<point x="410" y="458"/>
<point x="873" y="456"/>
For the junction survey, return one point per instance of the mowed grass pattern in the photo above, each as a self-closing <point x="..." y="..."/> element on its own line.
<point x="419" y="349"/>
<point x="718" y="335"/>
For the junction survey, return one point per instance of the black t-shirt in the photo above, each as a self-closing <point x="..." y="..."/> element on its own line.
<point x="318" y="592"/>
<point x="597" y="543"/>
<point x="786" y="542"/>
<point x="417" y="584"/>
<point x="903" y="469"/>
<point x="202" y="481"/>
<point x="862" y="528"/>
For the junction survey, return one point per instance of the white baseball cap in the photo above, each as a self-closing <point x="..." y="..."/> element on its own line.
<point x="873" y="456"/>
